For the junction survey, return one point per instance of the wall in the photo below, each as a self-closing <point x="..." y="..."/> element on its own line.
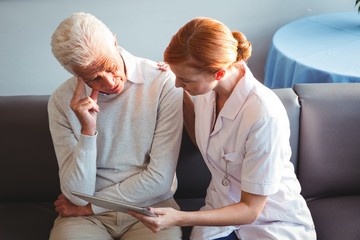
<point x="142" y="27"/>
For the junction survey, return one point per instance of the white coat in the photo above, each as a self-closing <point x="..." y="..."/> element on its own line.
<point x="251" y="134"/>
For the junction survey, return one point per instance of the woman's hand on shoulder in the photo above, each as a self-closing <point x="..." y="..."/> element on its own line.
<point x="163" y="66"/>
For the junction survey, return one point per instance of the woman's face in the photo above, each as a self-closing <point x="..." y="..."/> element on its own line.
<point x="107" y="75"/>
<point x="192" y="80"/>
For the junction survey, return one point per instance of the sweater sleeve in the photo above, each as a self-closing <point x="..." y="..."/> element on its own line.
<point x="76" y="153"/>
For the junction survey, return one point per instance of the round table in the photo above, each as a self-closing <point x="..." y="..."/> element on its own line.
<point x="315" y="49"/>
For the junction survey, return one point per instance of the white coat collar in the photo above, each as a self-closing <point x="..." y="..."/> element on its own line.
<point x="237" y="97"/>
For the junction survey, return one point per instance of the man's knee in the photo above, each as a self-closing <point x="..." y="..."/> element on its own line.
<point x="78" y="228"/>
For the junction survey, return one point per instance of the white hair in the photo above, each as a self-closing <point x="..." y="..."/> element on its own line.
<point x="80" y="40"/>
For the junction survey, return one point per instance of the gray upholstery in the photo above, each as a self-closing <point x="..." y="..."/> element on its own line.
<point x="28" y="169"/>
<point x="27" y="155"/>
<point x="325" y="140"/>
<point x="329" y="157"/>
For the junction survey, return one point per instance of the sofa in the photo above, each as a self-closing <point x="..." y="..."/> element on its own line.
<point x="325" y="139"/>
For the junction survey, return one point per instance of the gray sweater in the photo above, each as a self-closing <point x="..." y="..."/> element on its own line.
<point x="133" y="156"/>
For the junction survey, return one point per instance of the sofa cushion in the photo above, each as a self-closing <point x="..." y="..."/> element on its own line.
<point x="329" y="212"/>
<point x="28" y="163"/>
<point x="192" y="172"/>
<point x="26" y="220"/>
<point x="329" y="162"/>
<point x="329" y="153"/>
<point x="193" y="179"/>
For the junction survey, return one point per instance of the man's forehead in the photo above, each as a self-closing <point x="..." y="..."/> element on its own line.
<point x="100" y="64"/>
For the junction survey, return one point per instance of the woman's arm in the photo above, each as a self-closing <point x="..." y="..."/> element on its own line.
<point x="244" y="212"/>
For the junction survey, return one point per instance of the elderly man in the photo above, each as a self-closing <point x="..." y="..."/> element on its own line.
<point x="116" y="127"/>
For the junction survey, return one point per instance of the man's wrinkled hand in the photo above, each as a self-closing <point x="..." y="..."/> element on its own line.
<point x="85" y="108"/>
<point x="65" y="208"/>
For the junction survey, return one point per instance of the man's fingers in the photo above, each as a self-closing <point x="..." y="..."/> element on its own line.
<point x="94" y="95"/>
<point x="79" y="92"/>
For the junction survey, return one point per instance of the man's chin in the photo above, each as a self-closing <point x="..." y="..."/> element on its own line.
<point x="117" y="91"/>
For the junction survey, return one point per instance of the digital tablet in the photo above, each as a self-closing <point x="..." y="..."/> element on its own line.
<point x="113" y="205"/>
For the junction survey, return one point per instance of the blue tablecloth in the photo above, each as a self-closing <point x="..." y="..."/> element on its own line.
<point x="315" y="49"/>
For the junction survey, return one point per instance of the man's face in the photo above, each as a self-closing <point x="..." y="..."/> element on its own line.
<point x="106" y="75"/>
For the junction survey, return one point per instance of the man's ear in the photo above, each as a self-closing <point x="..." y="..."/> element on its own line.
<point x="220" y="74"/>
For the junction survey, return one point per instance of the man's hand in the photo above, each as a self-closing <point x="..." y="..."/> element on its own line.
<point x="85" y="108"/>
<point x="65" y="208"/>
